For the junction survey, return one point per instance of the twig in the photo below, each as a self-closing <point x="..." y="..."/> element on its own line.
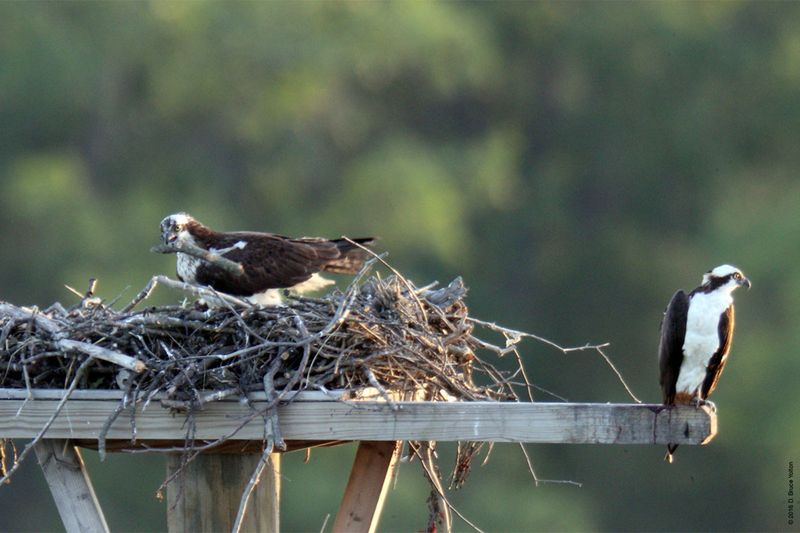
<point x="201" y="253"/>
<point x="20" y="313"/>
<point x="143" y="294"/>
<point x="215" y="396"/>
<point x="536" y="479"/>
<point x="123" y="403"/>
<point x="251" y="485"/>
<point x="444" y="498"/>
<point x="272" y="428"/>
<point x="101" y="438"/>
<point x="298" y="374"/>
<point x="617" y="372"/>
<point x="374" y="382"/>
<point x="327" y="517"/>
<point x="98" y="352"/>
<point x="29" y="395"/>
<point x="203" y="292"/>
<point x="441" y="506"/>
<point x="74" y="291"/>
<point x="514" y="336"/>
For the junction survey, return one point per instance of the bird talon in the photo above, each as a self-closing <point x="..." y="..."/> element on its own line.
<point x="707" y="403"/>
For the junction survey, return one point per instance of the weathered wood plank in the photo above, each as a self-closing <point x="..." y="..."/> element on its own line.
<point x="366" y="489"/>
<point x="70" y="486"/>
<point x="368" y="420"/>
<point x="105" y="394"/>
<point x="206" y="495"/>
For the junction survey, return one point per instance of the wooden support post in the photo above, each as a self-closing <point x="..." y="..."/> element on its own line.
<point x="70" y="486"/>
<point x="367" y="487"/>
<point x="206" y="495"/>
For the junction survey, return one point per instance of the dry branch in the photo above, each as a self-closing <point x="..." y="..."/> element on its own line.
<point x="98" y="352"/>
<point x="201" y="253"/>
<point x="251" y="485"/>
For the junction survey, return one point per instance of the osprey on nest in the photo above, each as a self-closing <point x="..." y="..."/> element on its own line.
<point x="696" y="335"/>
<point x="268" y="262"/>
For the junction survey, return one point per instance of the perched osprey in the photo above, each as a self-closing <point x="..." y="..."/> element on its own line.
<point x="696" y="335"/>
<point x="269" y="262"/>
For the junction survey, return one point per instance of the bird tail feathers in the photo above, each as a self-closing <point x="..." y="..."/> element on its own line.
<point x="351" y="257"/>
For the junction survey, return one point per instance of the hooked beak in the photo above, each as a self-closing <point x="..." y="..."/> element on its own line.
<point x="745" y="283"/>
<point x="169" y="237"/>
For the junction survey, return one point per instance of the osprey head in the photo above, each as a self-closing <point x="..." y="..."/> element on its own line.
<point x="726" y="276"/>
<point x="175" y="226"/>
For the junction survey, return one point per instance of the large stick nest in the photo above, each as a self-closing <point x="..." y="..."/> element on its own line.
<point x="383" y="333"/>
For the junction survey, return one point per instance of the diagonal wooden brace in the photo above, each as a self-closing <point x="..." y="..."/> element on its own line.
<point x="373" y="469"/>
<point x="70" y="486"/>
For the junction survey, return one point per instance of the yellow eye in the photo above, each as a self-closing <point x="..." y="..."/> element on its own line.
<point x="737" y="276"/>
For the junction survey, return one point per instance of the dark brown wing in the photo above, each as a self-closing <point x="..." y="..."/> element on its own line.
<point x="273" y="261"/>
<point x="717" y="361"/>
<point x="670" y="348"/>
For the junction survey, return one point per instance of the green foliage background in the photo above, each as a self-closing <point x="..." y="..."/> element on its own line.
<point x="575" y="162"/>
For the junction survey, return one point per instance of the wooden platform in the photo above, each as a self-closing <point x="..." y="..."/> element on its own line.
<point x="317" y="417"/>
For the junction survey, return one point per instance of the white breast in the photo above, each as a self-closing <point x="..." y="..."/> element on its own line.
<point x="702" y="338"/>
<point x="187" y="267"/>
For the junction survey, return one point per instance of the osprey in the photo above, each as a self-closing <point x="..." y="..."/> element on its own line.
<point x="696" y="335"/>
<point x="269" y="262"/>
